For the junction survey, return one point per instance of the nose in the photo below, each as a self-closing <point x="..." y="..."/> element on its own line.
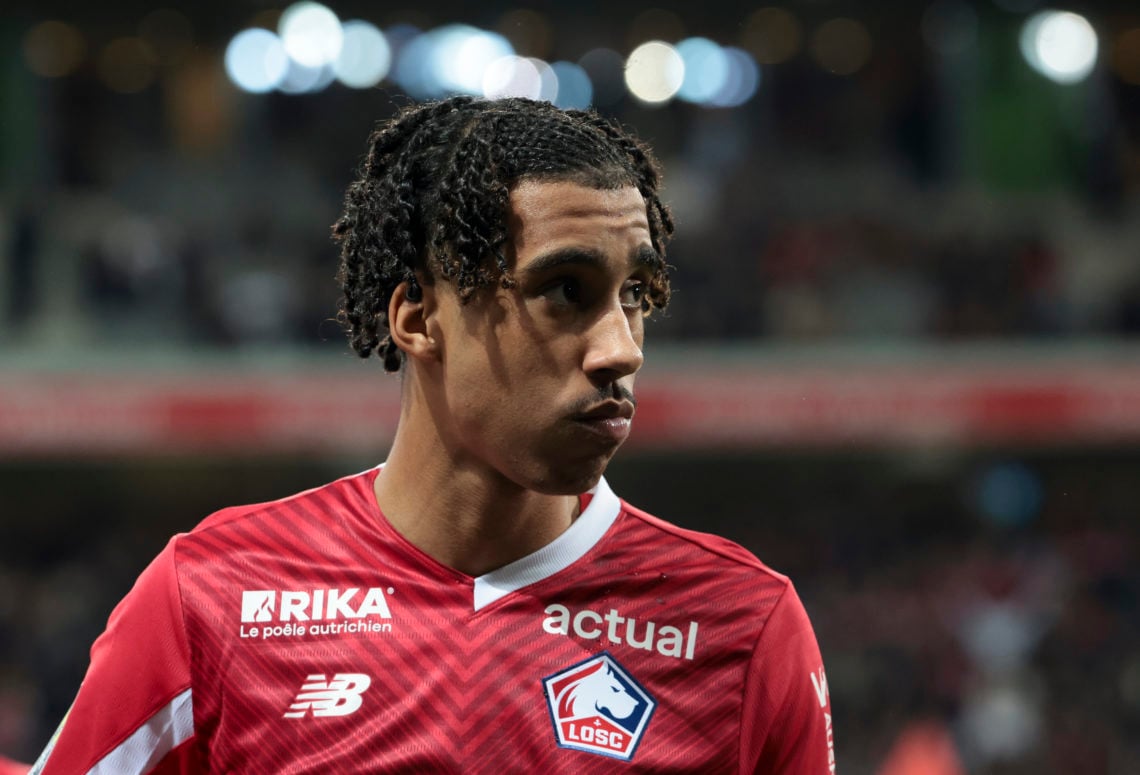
<point x="613" y="347"/>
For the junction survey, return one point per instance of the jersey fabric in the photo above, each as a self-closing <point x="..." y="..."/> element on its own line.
<point x="306" y="635"/>
<point x="11" y="767"/>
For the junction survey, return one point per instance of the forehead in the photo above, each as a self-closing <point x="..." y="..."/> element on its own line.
<point x="545" y="216"/>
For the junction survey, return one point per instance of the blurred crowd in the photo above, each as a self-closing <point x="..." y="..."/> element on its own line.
<point x="237" y="253"/>
<point x="1022" y="643"/>
<point x="919" y="198"/>
<point x="981" y="607"/>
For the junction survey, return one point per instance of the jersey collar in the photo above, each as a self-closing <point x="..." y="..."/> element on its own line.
<point x="565" y="550"/>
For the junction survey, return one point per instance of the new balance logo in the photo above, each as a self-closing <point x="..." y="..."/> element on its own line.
<point x="338" y="697"/>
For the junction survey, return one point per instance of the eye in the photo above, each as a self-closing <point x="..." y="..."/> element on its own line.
<point x="565" y="291"/>
<point x="633" y="295"/>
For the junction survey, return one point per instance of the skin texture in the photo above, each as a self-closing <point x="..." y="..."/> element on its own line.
<point x="491" y="451"/>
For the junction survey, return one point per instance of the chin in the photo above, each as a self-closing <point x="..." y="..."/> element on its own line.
<point x="567" y="478"/>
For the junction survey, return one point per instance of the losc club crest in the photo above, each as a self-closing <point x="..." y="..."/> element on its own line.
<point x="596" y="706"/>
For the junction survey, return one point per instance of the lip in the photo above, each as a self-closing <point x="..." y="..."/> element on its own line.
<point x="611" y="420"/>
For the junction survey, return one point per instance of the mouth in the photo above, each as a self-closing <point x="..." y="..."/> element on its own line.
<point x="610" y="421"/>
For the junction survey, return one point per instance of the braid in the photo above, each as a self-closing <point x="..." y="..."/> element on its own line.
<point x="473" y="199"/>
<point x="433" y="192"/>
<point x="377" y="231"/>
<point x="648" y="176"/>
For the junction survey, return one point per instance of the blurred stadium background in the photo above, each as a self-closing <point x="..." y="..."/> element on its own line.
<point x="901" y="363"/>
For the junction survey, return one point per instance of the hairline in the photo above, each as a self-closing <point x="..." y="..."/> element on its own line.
<point x="612" y="177"/>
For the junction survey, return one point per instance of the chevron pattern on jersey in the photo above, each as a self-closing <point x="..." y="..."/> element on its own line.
<point x="448" y="689"/>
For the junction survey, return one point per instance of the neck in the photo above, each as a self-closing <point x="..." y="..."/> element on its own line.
<point x="461" y="512"/>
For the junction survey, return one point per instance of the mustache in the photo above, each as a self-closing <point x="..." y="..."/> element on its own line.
<point x="610" y="392"/>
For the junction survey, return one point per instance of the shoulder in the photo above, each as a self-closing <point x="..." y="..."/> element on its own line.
<point x="315" y="501"/>
<point x="296" y="518"/>
<point x="712" y="555"/>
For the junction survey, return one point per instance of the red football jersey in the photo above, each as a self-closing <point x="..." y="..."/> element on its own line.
<point x="307" y="636"/>
<point x="10" y="767"/>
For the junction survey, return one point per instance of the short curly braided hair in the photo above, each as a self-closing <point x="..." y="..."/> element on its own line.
<point x="431" y="197"/>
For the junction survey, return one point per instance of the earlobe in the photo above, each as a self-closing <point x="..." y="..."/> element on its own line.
<point x="411" y="320"/>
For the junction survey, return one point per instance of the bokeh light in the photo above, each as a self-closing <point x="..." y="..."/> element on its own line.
<point x="575" y="92"/>
<point x="706" y="69"/>
<point x="742" y="82"/>
<point x="365" y="56"/>
<point x="1126" y="56"/>
<point x="1060" y="45"/>
<point x="453" y="59"/>
<point x="841" y="46"/>
<point x="53" y="49"/>
<point x="462" y="58"/>
<point x="256" y="60"/>
<point x="311" y="34"/>
<point x="411" y="65"/>
<point x="654" y="72"/>
<point x="302" y="79"/>
<point x="771" y="35"/>
<point x="513" y="76"/>
<point x="547" y="78"/>
<point x="127" y="65"/>
<point x="528" y="31"/>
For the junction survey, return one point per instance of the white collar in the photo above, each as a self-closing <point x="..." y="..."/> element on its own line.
<point x="565" y="550"/>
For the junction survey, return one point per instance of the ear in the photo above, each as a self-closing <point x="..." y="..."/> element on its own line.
<point x="412" y="320"/>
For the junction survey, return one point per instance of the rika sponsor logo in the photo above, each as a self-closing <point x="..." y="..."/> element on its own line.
<point x="339" y="697"/>
<point x="667" y="640"/>
<point x="597" y="706"/>
<point x="269" y="613"/>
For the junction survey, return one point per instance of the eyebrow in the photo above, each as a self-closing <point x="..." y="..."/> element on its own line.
<point x="644" y="256"/>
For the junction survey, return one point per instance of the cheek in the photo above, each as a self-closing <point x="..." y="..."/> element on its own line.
<point x="487" y="396"/>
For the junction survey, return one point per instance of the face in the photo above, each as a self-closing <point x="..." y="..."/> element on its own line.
<point x="537" y="380"/>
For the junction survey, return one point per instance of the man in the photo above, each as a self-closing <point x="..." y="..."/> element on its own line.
<point x="482" y="602"/>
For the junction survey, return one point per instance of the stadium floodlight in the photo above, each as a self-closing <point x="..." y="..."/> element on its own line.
<point x="365" y="56"/>
<point x="1060" y="45"/>
<point x="256" y="61"/>
<point x="654" y="72"/>
<point x="311" y="33"/>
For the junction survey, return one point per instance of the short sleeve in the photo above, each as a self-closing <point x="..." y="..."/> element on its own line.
<point x="786" y="725"/>
<point x="134" y="709"/>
